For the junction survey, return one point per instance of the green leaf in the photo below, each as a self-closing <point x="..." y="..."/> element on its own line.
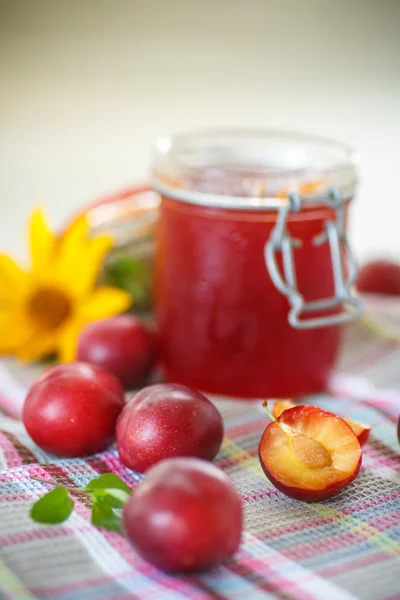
<point x="132" y="275"/>
<point x="110" y="488"/>
<point x="53" y="507"/>
<point x="104" y="516"/>
<point x="108" y="480"/>
<point x="127" y="266"/>
<point x="116" y="498"/>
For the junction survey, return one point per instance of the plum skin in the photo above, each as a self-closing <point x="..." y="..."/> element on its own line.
<point x="71" y="410"/>
<point x="186" y="516"/>
<point x="363" y="437"/>
<point x="121" y="345"/>
<point x="379" y="277"/>
<point x="166" y="420"/>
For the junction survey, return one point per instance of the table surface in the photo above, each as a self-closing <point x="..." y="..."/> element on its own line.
<point x="344" y="548"/>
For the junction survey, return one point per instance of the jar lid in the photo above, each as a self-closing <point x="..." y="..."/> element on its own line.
<point x="252" y="169"/>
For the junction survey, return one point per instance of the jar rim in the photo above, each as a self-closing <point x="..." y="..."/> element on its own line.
<point x="251" y="169"/>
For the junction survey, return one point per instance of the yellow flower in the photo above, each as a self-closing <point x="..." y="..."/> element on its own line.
<point x="42" y="310"/>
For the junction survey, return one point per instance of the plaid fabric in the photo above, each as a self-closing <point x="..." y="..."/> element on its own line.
<point x="344" y="548"/>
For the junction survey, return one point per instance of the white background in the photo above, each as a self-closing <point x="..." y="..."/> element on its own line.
<point x="86" y="86"/>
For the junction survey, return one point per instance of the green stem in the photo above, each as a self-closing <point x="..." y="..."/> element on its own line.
<point x="56" y="484"/>
<point x="266" y="407"/>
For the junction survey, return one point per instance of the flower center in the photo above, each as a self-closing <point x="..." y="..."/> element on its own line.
<point x="49" y="307"/>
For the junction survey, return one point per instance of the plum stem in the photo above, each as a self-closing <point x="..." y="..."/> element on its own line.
<point x="56" y="484"/>
<point x="266" y="407"/>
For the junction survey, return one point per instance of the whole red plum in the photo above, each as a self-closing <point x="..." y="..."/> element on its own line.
<point x="122" y="345"/>
<point x="71" y="410"/>
<point x="166" y="420"/>
<point x="185" y="516"/>
<point x="380" y="277"/>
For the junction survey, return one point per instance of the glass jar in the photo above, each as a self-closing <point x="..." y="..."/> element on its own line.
<point x="253" y="273"/>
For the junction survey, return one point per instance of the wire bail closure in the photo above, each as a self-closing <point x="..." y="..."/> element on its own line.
<point x="334" y="234"/>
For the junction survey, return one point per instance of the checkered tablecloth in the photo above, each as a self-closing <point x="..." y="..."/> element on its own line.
<point x="344" y="548"/>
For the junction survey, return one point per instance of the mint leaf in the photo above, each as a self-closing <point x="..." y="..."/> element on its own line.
<point x="104" y="516"/>
<point x="108" y="480"/>
<point x="116" y="498"/>
<point x="53" y="507"/>
<point x="110" y="488"/>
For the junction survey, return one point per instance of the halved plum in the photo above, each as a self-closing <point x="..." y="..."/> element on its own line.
<point x="309" y="454"/>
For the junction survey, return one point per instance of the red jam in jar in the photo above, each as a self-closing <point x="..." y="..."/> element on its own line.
<point x="223" y="323"/>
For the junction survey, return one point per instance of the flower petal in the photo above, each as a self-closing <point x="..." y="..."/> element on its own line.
<point x="105" y="302"/>
<point x="72" y="247"/>
<point x="42" y="242"/>
<point x="39" y="346"/>
<point x="80" y="259"/>
<point x="13" y="279"/>
<point x="15" y="330"/>
<point x="86" y="272"/>
<point x="68" y="341"/>
<point x="98" y="248"/>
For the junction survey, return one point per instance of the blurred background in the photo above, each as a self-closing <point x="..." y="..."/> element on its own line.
<point x="86" y="87"/>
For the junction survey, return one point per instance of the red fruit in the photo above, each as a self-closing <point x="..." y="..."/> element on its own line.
<point x="121" y="345"/>
<point x="186" y="516"/>
<point x="309" y="454"/>
<point x="72" y="409"/>
<point x="166" y="420"/>
<point x="380" y="277"/>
